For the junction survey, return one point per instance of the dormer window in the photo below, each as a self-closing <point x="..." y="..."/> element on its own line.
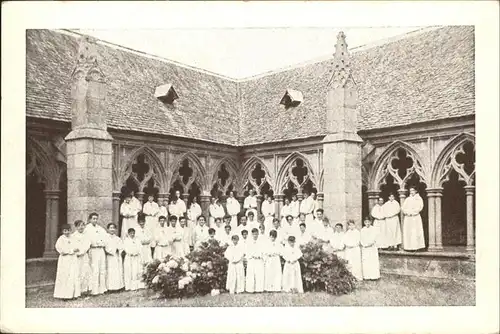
<point x="166" y="93"/>
<point x="292" y="98"/>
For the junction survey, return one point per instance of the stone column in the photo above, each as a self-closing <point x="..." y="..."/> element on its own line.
<point x="116" y="207"/>
<point x="437" y="219"/>
<point x="402" y="197"/>
<point x="52" y="222"/>
<point x="320" y="198"/>
<point x="241" y="199"/>
<point x="300" y="196"/>
<point x="373" y="196"/>
<point x="279" y="205"/>
<point x="259" y="205"/>
<point x="469" y="194"/>
<point x="205" y="204"/>
<point x="88" y="145"/>
<point x="432" y="194"/>
<point x="342" y="145"/>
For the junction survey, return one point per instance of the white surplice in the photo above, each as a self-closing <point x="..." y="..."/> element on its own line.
<point x="352" y="253"/>
<point x="132" y="267"/>
<point x="233" y="209"/>
<point x="145" y="237"/>
<point x="129" y="214"/>
<point x="285" y="211"/>
<point x="136" y="204"/>
<point x="268" y="210"/>
<point x="337" y="244"/>
<point x="178" y="245"/>
<point x="216" y="211"/>
<point x="200" y="235"/>
<point x="272" y="266"/>
<point x="151" y="210"/>
<point x="369" y="253"/>
<point x="250" y="204"/>
<point x="235" y="282"/>
<point x="392" y="227"/>
<point x="307" y="208"/>
<point x="162" y="241"/>
<point x="292" y="278"/>
<point x="290" y="230"/>
<point x="302" y="238"/>
<point x="114" y="263"/>
<point x="413" y="231"/>
<point x="162" y="211"/>
<point x="295" y="210"/>
<point x="83" y="244"/>
<point x="380" y="224"/>
<point x="97" y="237"/>
<point x="255" y="266"/>
<point x="67" y="284"/>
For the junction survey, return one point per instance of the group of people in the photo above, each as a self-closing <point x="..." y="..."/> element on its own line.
<point x="95" y="260"/>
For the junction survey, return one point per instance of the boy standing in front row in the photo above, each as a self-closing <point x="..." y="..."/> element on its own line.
<point x="234" y="253"/>
<point x="132" y="267"/>
<point x="255" y="264"/>
<point x="114" y="264"/>
<point x="292" y="279"/>
<point x="67" y="284"/>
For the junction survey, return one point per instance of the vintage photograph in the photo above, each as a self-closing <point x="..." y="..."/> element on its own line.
<point x="176" y="168"/>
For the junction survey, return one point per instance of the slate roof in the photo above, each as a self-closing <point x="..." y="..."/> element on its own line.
<point x="423" y="77"/>
<point x="206" y="104"/>
<point x="420" y="78"/>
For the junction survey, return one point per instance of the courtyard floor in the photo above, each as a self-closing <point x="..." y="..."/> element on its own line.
<point x="388" y="291"/>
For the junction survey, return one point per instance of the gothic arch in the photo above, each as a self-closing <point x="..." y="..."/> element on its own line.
<point x="245" y="175"/>
<point x="231" y="167"/>
<point x="285" y="172"/>
<point x="199" y="173"/>
<point x="43" y="162"/>
<point x="156" y="170"/>
<point x="446" y="161"/>
<point x="381" y="168"/>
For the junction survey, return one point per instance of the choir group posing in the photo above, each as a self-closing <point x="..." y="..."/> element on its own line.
<point x="91" y="259"/>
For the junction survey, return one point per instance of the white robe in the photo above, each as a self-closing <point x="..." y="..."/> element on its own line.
<point x="250" y="204"/>
<point x="268" y="210"/>
<point x="178" y="245"/>
<point x="285" y="211"/>
<point x="235" y="282"/>
<point x="186" y="239"/>
<point x="67" y="285"/>
<point x="216" y="211"/>
<point x="233" y="209"/>
<point x="369" y="253"/>
<point x="315" y="206"/>
<point x="114" y="264"/>
<point x="225" y="239"/>
<point x="272" y="266"/>
<point x="145" y="237"/>
<point x="151" y="210"/>
<point x="162" y="211"/>
<point x="392" y="227"/>
<point x="136" y="204"/>
<point x="175" y="209"/>
<point x="162" y="241"/>
<point x="337" y="244"/>
<point x="324" y="234"/>
<point x="413" y="231"/>
<point x="380" y="224"/>
<point x="295" y="210"/>
<point x="352" y="253"/>
<point x="302" y="238"/>
<point x="97" y="237"/>
<point x="292" y="278"/>
<point x="132" y="268"/>
<point x="83" y="244"/>
<point x="290" y="230"/>
<point x="255" y="266"/>
<point x="129" y="213"/>
<point x="200" y="235"/>
<point x="193" y="213"/>
<point x="307" y="208"/>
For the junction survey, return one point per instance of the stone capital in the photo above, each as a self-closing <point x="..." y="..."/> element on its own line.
<point x="373" y="194"/>
<point x="116" y="195"/>
<point x="469" y="190"/>
<point x="342" y="137"/>
<point x="52" y="194"/>
<point x="320" y="196"/>
<point x="88" y="133"/>
<point x="279" y="198"/>
<point x="205" y="198"/>
<point x="434" y="192"/>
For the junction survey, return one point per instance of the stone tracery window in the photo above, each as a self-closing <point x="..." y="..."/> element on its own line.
<point x="401" y="165"/>
<point x="462" y="161"/>
<point x="258" y="180"/>
<point x="224" y="183"/>
<point x="298" y="179"/>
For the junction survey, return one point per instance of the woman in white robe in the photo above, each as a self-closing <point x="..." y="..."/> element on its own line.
<point x="145" y="237"/>
<point x="352" y="253"/>
<point x="177" y="234"/>
<point x="413" y="231"/>
<point x="162" y="211"/>
<point x="132" y="268"/>
<point x="97" y="236"/>
<point x="302" y="238"/>
<point x="83" y="244"/>
<point x="114" y="264"/>
<point x="369" y="251"/>
<point x="391" y="210"/>
<point x="292" y="277"/>
<point x="235" y="282"/>
<point x="216" y="210"/>
<point x="186" y="236"/>
<point x="379" y="223"/>
<point x="268" y="210"/>
<point x="193" y="213"/>
<point x="315" y="204"/>
<point x="255" y="264"/>
<point x="272" y="263"/>
<point x="337" y="241"/>
<point x="151" y="210"/>
<point x="250" y="203"/>
<point x="285" y="211"/>
<point x="128" y="210"/>
<point x="162" y="241"/>
<point x="233" y="207"/>
<point x="67" y="284"/>
<point x="295" y="209"/>
<point x="307" y="208"/>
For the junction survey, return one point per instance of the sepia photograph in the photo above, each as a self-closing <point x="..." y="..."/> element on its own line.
<point x="179" y="174"/>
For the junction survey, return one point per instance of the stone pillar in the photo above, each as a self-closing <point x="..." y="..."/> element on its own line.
<point x="241" y="199"/>
<point x="205" y="204"/>
<point x="88" y="145"/>
<point x="469" y="194"/>
<point x="279" y="205"/>
<point x="259" y="205"/>
<point x="300" y="196"/>
<point x="52" y="222"/>
<point x="402" y="197"/>
<point x="342" y="145"/>
<point x="116" y="207"/>
<point x="320" y="198"/>
<point x="373" y="196"/>
<point x="438" y="217"/>
<point x="432" y="195"/>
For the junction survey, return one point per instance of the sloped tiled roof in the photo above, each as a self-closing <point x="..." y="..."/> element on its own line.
<point x="206" y="108"/>
<point x="424" y="77"/>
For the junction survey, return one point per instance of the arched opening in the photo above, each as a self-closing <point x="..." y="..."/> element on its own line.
<point x="365" y="209"/>
<point x="454" y="211"/>
<point x="389" y="187"/>
<point x="290" y="190"/>
<point x="35" y="216"/>
<point x="223" y="185"/>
